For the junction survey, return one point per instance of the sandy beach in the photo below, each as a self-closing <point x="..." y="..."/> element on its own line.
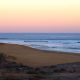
<point x="36" y="58"/>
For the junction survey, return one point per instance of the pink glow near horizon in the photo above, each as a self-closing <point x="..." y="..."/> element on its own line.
<point x="40" y="16"/>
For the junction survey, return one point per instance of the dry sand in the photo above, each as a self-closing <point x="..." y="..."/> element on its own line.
<point x="36" y="58"/>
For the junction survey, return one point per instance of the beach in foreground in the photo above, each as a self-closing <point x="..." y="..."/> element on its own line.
<point x="37" y="58"/>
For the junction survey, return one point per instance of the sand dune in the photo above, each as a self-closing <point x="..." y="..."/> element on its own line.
<point x="36" y="58"/>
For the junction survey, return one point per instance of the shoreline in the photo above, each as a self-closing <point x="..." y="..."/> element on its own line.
<point x="63" y="46"/>
<point x="36" y="57"/>
<point x="52" y="51"/>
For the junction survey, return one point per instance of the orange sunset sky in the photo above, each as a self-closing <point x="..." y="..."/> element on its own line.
<point x="40" y="16"/>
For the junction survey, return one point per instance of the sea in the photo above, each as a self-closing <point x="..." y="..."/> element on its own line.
<point x="64" y="42"/>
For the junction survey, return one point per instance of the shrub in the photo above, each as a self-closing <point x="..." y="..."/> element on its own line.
<point x="2" y="57"/>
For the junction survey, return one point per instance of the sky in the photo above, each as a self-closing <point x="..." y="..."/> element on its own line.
<point x="40" y="16"/>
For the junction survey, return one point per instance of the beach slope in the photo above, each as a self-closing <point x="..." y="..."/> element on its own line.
<point x="37" y="58"/>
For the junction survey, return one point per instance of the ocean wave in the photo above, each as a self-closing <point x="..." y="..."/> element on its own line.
<point x="78" y="42"/>
<point x="35" y="45"/>
<point x="35" y="41"/>
<point x="7" y="38"/>
<point x="70" y="47"/>
<point x="4" y="38"/>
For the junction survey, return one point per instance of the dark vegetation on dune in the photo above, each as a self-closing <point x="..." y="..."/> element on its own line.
<point x="10" y="70"/>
